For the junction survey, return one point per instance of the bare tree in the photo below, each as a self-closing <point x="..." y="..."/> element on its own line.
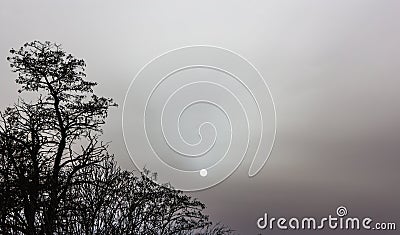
<point x="57" y="177"/>
<point x="40" y="137"/>
<point x="122" y="203"/>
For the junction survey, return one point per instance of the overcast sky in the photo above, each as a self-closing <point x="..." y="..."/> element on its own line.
<point x="333" y="68"/>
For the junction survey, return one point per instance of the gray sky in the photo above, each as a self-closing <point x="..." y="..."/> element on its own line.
<point x="332" y="66"/>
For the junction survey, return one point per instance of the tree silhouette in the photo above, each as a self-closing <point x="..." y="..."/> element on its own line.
<point x="57" y="176"/>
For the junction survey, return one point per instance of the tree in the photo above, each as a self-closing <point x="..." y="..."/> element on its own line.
<point x="40" y="137"/>
<point x="57" y="176"/>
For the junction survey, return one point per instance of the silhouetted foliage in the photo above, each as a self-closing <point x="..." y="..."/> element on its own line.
<point x="57" y="177"/>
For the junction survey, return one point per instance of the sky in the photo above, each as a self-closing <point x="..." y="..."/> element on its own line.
<point x="332" y="68"/>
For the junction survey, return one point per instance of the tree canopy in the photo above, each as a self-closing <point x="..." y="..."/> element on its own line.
<point x="57" y="176"/>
